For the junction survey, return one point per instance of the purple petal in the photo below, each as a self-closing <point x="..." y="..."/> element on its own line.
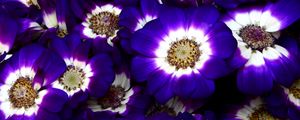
<point x="204" y="87"/>
<point x="286" y="12"/>
<point x="54" y="100"/>
<point x="221" y="41"/>
<point x="255" y="80"/>
<point x="43" y="114"/>
<point x="203" y="17"/>
<point x="103" y="74"/>
<point x="142" y="67"/>
<point x="146" y="40"/>
<point x="214" y="68"/>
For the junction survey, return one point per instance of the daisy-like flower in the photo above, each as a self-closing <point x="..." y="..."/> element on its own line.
<point x="120" y="99"/>
<point x="254" y="110"/>
<point x="181" y="52"/>
<point x="260" y="58"/>
<point x="82" y="74"/>
<point x="8" y="32"/>
<point x="100" y="21"/>
<point x="24" y="88"/>
<point x="135" y="18"/>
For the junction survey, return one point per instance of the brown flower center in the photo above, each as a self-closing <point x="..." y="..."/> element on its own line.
<point x="72" y="78"/>
<point x="256" y="37"/>
<point x="104" y="23"/>
<point x="183" y="53"/>
<point x="295" y="90"/>
<point x="22" y="94"/>
<point x="261" y="114"/>
<point x="113" y="98"/>
<point x="160" y="109"/>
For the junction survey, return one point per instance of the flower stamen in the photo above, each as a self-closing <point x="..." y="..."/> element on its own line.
<point x="113" y="98"/>
<point x="22" y="94"/>
<point x="72" y="79"/>
<point x="261" y="114"/>
<point x="104" y="23"/>
<point x="183" y="53"/>
<point x="256" y="37"/>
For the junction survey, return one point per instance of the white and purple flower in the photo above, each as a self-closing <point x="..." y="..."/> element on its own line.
<point x="181" y="52"/>
<point x="261" y="59"/>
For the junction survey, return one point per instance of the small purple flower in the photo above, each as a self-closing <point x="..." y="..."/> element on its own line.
<point x="260" y="58"/>
<point x="100" y="21"/>
<point x="181" y="52"/>
<point x="82" y="74"/>
<point x="24" y="90"/>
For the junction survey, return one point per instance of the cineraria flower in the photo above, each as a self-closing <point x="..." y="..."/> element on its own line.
<point x="135" y="18"/>
<point x="100" y="21"/>
<point x="181" y="52"/>
<point x="231" y="4"/>
<point x="254" y="110"/>
<point x="24" y="88"/>
<point x="82" y="75"/>
<point x="8" y="32"/>
<point x="261" y="58"/>
<point x="120" y="99"/>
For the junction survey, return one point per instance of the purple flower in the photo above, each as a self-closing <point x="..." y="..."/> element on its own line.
<point x="24" y="90"/>
<point x="121" y="99"/>
<point x="82" y="74"/>
<point x="260" y="58"/>
<point x="181" y="52"/>
<point x="255" y="109"/>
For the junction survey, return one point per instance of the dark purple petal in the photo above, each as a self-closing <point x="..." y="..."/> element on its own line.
<point x="8" y="30"/>
<point x="293" y="114"/>
<point x="185" y="85"/>
<point x="103" y="74"/>
<point x="150" y="7"/>
<point x="146" y="40"/>
<point x="28" y="55"/>
<point x="43" y="114"/>
<point x="157" y="80"/>
<point x="54" y="100"/>
<point x="77" y="98"/>
<point x="129" y="18"/>
<point x="255" y="80"/>
<point x="284" y="70"/>
<point x="165" y="93"/>
<point x="221" y="41"/>
<point x="214" y="68"/>
<point x="142" y="67"/>
<point x="60" y="47"/>
<point x="203" y="17"/>
<point x="204" y="87"/>
<point x="286" y="12"/>
<point x="173" y="18"/>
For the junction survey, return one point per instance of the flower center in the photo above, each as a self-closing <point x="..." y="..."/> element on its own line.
<point x="22" y="94"/>
<point x="113" y="98"/>
<point x="61" y="33"/>
<point x="183" y="53"/>
<point x="256" y="37"/>
<point x="72" y="78"/>
<point x="261" y="114"/>
<point x="104" y="23"/>
<point x="295" y="90"/>
<point x="160" y="109"/>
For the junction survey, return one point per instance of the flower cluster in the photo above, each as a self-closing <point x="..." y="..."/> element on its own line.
<point x="149" y="59"/>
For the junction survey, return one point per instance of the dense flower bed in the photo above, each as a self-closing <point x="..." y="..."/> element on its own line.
<point x="149" y="59"/>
